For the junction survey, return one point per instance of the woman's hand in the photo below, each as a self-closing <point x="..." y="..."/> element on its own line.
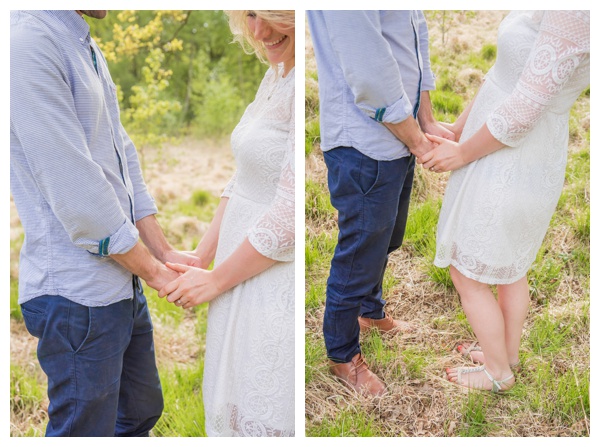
<point x="194" y="286"/>
<point x="447" y="156"/>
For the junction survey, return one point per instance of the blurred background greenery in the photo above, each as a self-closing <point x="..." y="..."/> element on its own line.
<point x="177" y="73"/>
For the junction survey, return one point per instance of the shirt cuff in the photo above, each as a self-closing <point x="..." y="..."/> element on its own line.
<point x="144" y="206"/>
<point x="118" y="243"/>
<point x="428" y="82"/>
<point x="393" y="114"/>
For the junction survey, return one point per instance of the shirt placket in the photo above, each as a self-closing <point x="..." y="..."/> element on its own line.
<point x="104" y="243"/>
<point x="419" y="62"/>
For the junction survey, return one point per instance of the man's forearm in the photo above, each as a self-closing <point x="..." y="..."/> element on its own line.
<point x="153" y="237"/>
<point x="425" y="113"/>
<point x="409" y="133"/>
<point x="140" y="262"/>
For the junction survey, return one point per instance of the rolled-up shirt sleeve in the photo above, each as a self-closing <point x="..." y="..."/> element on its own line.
<point x="373" y="75"/>
<point x="45" y="121"/>
<point x="428" y="82"/>
<point x="143" y="200"/>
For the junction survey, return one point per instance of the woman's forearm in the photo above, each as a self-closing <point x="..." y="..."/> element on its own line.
<point x="479" y="145"/>
<point x="244" y="263"/>
<point x="207" y="247"/>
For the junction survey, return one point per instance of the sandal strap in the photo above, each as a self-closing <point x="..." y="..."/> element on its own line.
<point x="496" y="384"/>
<point x="467" y="370"/>
<point x="472" y="347"/>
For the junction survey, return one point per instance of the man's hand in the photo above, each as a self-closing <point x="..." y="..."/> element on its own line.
<point x="410" y="134"/>
<point x="161" y="277"/>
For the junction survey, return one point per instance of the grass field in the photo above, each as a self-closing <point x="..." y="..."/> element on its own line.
<point x="186" y="181"/>
<point x="551" y="397"/>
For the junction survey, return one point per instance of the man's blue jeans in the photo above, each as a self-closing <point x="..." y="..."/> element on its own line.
<point x="372" y="199"/>
<point x="102" y="376"/>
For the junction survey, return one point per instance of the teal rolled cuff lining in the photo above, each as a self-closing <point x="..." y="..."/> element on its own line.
<point x="379" y="114"/>
<point x="103" y="247"/>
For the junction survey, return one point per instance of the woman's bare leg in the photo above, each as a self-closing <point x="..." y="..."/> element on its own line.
<point x="487" y="320"/>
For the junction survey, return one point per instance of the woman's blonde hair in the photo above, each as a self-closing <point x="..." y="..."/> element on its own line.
<point x="238" y="23"/>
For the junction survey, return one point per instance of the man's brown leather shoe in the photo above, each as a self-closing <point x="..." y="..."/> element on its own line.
<point x="386" y="325"/>
<point x="357" y="376"/>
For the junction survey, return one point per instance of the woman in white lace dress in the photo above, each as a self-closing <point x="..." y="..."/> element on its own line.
<point x="248" y="387"/>
<point x="508" y="172"/>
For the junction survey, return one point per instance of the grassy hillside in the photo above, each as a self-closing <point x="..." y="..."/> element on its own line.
<point x="551" y="397"/>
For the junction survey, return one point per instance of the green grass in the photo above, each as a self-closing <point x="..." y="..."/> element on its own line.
<point x="475" y="422"/>
<point x="347" y="423"/>
<point x="15" y="309"/>
<point x="317" y="205"/>
<point x="184" y="412"/>
<point x="312" y="135"/>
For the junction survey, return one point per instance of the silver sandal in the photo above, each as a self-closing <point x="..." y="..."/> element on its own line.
<point x="466" y="353"/>
<point x="496" y="384"/>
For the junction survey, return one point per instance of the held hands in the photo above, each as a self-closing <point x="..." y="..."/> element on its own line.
<point x="194" y="286"/>
<point x="447" y="156"/>
<point x="426" y="145"/>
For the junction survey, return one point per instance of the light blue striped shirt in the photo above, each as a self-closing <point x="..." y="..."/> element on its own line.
<point x="372" y="66"/>
<point x="74" y="173"/>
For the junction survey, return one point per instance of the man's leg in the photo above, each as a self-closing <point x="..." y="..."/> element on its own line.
<point x="140" y="396"/>
<point x="372" y="305"/>
<point x="366" y="194"/>
<point x="81" y="351"/>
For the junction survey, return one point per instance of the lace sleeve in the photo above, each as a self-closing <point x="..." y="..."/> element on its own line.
<point x="273" y="234"/>
<point x="562" y="44"/>
<point x="229" y="187"/>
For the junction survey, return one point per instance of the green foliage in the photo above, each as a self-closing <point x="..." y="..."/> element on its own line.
<point x="447" y="20"/>
<point x="204" y="90"/>
<point x="201" y="198"/>
<point x="488" y="52"/>
<point x="446" y="102"/>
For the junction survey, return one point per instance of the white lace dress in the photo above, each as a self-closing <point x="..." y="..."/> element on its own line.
<point x="497" y="209"/>
<point x="249" y="365"/>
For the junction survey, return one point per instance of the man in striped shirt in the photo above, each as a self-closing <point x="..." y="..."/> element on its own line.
<point x="78" y="188"/>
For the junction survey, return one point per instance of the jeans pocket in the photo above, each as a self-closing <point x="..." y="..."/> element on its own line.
<point x="34" y="316"/>
<point x="79" y="325"/>
<point x="368" y="175"/>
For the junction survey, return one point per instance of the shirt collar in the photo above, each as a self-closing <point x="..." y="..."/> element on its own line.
<point x="74" y="23"/>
